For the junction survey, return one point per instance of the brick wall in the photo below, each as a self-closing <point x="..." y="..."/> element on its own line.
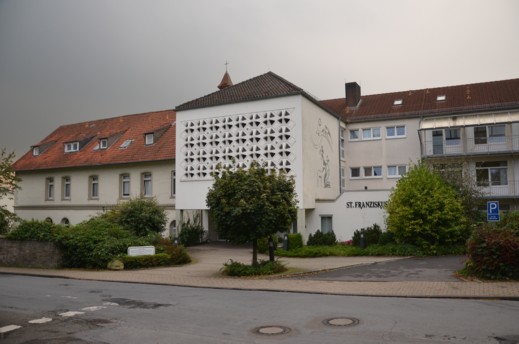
<point x="29" y="254"/>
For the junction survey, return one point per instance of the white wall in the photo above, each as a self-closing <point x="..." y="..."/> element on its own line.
<point x="30" y="202"/>
<point x="352" y="211"/>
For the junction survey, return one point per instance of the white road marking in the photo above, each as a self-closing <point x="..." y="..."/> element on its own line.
<point x="9" y="328"/>
<point x="71" y="314"/>
<point x="92" y="308"/>
<point x="110" y="304"/>
<point x="40" y="321"/>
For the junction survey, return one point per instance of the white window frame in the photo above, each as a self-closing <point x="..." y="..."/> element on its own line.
<point x="93" y="187"/>
<point x="490" y="137"/>
<point x="147" y="184"/>
<point x="71" y="147"/>
<point x="396" y="171"/>
<point x="103" y="143"/>
<point x="357" y="169"/>
<point x="66" y="188"/>
<point x="354" y="135"/>
<point x="326" y="218"/>
<point x="395" y="132"/>
<point x="49" y="189"/>
<point x="125" y="180"/>
<point x="173" y="184"/>
<point x="492" y="167"/>
<point x="372" y="173"/>
<point x="342" y="144"/>
<point x="343" y="178"/>
<point x="148" y="139"/>
<point x="371" y="133"/>
<point x="36" y="150"/>
<point x="452" y="140"/>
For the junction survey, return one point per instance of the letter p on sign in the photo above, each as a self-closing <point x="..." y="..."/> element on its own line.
<point x="492" y="211"/>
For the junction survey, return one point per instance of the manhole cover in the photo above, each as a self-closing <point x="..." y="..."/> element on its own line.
<point x="272" y="330"/>
<point x="341" y="321"/>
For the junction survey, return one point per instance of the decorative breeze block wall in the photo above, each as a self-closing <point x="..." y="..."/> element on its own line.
<point x="265" y="137"/>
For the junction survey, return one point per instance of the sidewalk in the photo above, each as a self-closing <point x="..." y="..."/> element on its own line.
<point x="208" y="260"/>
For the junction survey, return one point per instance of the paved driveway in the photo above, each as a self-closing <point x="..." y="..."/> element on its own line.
<point x="431" y="269"/>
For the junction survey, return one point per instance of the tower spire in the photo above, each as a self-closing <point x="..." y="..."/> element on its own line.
<point x="226" y="80"/>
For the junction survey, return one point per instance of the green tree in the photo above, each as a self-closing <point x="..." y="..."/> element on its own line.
<point x="250" y="204"/>
<point x="8" y="185"/>
<point x="425" y="211"/>
<point x="139" y="215"/>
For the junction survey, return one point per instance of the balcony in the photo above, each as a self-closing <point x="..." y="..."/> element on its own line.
<point x="501" y="191"/>
<point x="441" y="147"/>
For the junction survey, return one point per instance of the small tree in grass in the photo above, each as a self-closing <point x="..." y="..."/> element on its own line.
<point x="425" y="211"/>
<point x="250" y="204"/>
<point x="8" y="185"/>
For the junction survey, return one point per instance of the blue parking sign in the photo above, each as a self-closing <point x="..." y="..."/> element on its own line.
<point x="492" y="211"/>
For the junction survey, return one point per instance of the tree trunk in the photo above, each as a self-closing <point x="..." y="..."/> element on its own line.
<point x="255" y="252"/>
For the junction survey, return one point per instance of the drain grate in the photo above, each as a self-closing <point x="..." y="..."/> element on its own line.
<point x="341" y="322"/>
<point x="271" y="330"/>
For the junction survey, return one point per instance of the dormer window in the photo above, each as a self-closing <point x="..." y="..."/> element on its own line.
<point x="441" y="98"/>
<point x="71" y="147"/>
<point x="398" y="102"/>
<point x="149" y="139"/>
<point x="36" y="150"/>
<point x="103" y="143"/>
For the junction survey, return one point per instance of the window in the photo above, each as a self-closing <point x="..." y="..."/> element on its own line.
<point x="354" y="134"/>
<point x="326" y="224"/>
<point x="125" y="144"/>
<point x="398" y="102"/>
<point x="451" y="171"/>
<point x="35" y="150"/>
<point x="146" y="185"/>
<point x="343" y="178"/>
<point x="395" y="131"/>
<point x="65" y="187"/>
<point x="355" y="172"/>
<point x="103" y="143"/>
<point x="149" y="139"/>
<point x="173" y="181"/>
<point x="49" y="189"/>
<point x="452" y="137"/>
<point x="489" y="134"/>
<point x="370" y="133"/>
<point x="441" y="98"/>
<point x="373" y="171"/>
<point x="65" y="222"/>
<point x="342" y="144"/>
<point x="93" y="187"/>
<point x="396" y="171"/>
<point x="71" y="147"/>
<point x="491" y="173"/>
<point x="125" y="185"/>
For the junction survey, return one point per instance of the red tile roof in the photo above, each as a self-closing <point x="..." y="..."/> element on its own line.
<point x="487" y="96"/>
<point x="117" y="130"/>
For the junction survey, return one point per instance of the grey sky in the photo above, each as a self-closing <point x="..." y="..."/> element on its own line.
<point x="67" y="61"/>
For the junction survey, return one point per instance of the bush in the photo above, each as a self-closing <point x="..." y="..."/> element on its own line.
<point x="7" y="220"/>
<point x="192" y="232"/>
<point x="34" y="230"/>
<point x="138" y="215"/>
<point x="146" y="261"/>
<point x="493" y="252"/>
<point x="322" y="239"/>
<point x="386" y="237"/>
<point x="93" y="243"/>
<point x="426" y="212"/>
<point x="264" y="267"/>
<point x="295" y="241"/>
<point x="263" y="244"/>
<point x="177" y="253"/>
<point x="371" y="235"/>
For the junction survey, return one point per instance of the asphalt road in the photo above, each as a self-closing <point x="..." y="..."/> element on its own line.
<point x="441" y="269"/>
<point x="55" y="310"/>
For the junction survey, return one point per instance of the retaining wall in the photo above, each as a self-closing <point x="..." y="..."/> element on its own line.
<point x="39" y="254"/>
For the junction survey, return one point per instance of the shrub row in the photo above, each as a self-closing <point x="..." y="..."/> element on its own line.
<point x="264" y="267"/>
<point x="322" y="239"/>
<point x="146" y="261"/>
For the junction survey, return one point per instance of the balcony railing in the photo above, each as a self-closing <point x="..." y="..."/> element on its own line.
<point x="506" y="191"/>
<point x="470" y="146"/>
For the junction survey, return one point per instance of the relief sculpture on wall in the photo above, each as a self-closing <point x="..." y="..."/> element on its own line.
<point x="322" y="142"/>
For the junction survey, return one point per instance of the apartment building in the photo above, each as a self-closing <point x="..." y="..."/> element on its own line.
<point x="83" y="169"/>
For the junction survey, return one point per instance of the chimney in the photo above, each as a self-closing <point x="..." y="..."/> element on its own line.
<point x="352" y="94"/>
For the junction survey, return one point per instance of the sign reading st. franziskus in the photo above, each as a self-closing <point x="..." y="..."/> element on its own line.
<point x="366" y="204"/>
